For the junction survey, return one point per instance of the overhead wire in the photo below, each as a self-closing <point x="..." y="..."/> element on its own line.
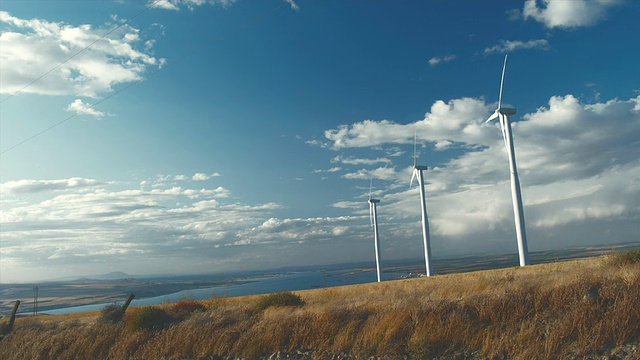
<point x="219" y="38"/>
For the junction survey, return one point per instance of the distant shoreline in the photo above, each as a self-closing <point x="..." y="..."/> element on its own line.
<point x="56" y="295"/>
<point x="68" y="294"/>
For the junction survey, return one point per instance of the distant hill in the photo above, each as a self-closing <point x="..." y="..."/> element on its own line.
<point x="115" y="275"/>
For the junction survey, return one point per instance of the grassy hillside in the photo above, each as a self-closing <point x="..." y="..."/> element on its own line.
<point x="573" y="309"/>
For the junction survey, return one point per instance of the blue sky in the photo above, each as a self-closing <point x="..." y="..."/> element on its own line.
<point x="197" y="136"/>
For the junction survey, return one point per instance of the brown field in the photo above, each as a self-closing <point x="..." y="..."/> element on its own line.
<point x="565" y="310"/>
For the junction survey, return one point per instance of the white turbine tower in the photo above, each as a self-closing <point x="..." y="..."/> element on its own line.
<point x="502" y="113"/>
<point x="373" y="218"/>
<point x="417" y="174"/>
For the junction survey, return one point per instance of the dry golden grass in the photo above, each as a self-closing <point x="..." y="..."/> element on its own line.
<point x="554" y="311"/>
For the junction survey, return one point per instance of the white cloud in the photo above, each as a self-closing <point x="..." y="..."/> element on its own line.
<point x="293" y="5"/>
<point x="578" y="167"/>
<point x="444" y="59"/>
<point x="459" y="120"/>
<point x="203" y="176"/>
<point x="443" y="144"/>
<point x="513" y="14"/>
<point x="394" y="151"/>
<point x="568" y="14"/>
<point x="31" y="48"/>
<point x="507" y="46"/>
<point x="190" y="4"/>
<point x="382" y="173"/>
<point x="36" y="186"/>
<point x="355" y="161"/>
<point x="81" y="108"/>
<point x="299" y="230"/>
<point x="331" y="170"/>
<point x="164" y="4"/>
<point x="88" y="223"/>
<point x="348" y="205"/>
<point x="200" y="177"/>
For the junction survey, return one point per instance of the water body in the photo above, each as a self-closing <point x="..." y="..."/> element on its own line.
<point x="304" y="280"/>
<point x="255" y="286"/>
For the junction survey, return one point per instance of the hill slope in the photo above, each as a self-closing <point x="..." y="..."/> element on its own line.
<point x="575" y="309"/>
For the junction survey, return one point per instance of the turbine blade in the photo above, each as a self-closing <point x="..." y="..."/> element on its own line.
<point x="370" y="187"/>
<point x="493" y="116"/>
<point x="413" y="176"/>
<point x="415" y="149"/>
<point x="504" y="68"/>
<point x="502" y="127"/>
<point x="371" y="215"/>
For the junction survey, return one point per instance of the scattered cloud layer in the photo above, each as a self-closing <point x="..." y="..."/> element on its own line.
<point x="568" y="14"/>
<point x="78" y="219"/>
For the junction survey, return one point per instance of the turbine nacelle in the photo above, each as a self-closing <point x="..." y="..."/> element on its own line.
<point x="504" y="111"/>
<point x="507" y="110"/>
<point x="414" y="175"/>
<point x="374" y="201"/>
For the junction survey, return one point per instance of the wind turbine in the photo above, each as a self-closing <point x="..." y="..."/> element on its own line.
<point x="417" y="174"/>
<point x="373" y="218"/>
<point x="502" y="113"/>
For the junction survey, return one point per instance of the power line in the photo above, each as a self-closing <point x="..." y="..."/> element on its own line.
<point x="76" y="54"/>
<point x="221" y="37"/>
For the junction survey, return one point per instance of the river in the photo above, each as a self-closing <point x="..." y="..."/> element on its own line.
<point x="254" y="286"/>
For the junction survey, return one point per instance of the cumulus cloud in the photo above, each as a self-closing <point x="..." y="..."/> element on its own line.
<point x="577" y="162"/>
<point x="444" y="59"/>
<point x="459" y="120"/>
<point x="568" y="14"/>
<point x="31" y="48"/>
<point x="81" y="108"/>
<point x="507" y="46"/>
<point x="200" y="177"/>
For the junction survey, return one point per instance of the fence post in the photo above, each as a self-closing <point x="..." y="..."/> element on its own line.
<point x="126" y="303"/>
<point x="12" y="319"/>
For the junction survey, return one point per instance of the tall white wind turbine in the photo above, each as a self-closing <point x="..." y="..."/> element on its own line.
<point x="417" y="174"/>
<point x="373" y="218"/>
<point x="502" y="113"/>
